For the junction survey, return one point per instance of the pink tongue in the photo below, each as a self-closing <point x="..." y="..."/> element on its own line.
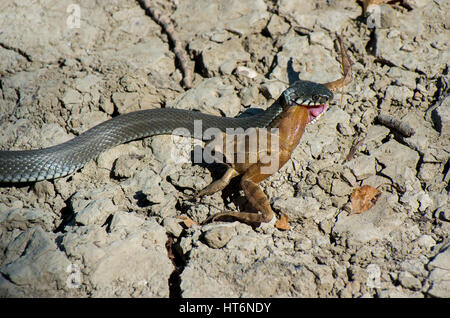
<point x="316" y="111"/>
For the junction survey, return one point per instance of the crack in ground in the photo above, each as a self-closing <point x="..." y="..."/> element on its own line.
<point x="179" y="265"/>
<point x="22" y="53"/>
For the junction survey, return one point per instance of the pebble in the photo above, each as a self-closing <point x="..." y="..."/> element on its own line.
<point x="218" y="237"/>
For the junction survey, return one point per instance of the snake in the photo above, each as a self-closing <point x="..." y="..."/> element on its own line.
<point x="18" y="166"/>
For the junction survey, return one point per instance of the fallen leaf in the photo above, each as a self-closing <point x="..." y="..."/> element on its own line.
<point x="367" y="3"/>
<point x="283" y="223"/>
<point x="188" y="222"/>
<point x="364" y="198"/>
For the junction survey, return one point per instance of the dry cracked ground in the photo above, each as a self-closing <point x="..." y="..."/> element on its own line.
<point x="113" y="227"/>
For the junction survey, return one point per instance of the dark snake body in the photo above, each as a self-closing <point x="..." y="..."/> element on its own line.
<point x="65" y="158"/>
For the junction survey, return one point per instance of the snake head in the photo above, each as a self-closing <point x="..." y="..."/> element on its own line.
<point x="312" y="95"/>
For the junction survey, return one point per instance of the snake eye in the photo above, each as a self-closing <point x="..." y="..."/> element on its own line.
<point x="315" y="98"/>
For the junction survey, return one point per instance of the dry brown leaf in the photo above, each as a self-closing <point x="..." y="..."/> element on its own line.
<point x="283" y="223"/>
<point x="188" y="222"/>
<point x="367" y="3"/>
<point x="364" y="198"/>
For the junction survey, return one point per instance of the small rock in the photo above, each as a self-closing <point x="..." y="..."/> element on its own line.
<point x="84" y="84"/>
<point x="381" y="16"/>
<point x="398" y="93"/>
<point x="441" y="260"/>
<point x="340" y="188"/>
<point x="218" y="237"/>
<point x="53" y="134"/>
<point x="297" y="207"/>
<point x="440" y="283"/>
<point x="220" y="36"/>
<point x="211" y="96"/>
<point x="44" y="189"/>
<point x="163" y="148"/>
<point x="223" y="57"/>
<point x="375" y="223"/>
<point x="392" y="153"/>
<point x="22" y="218"/>
<point x="405" y="177"/>
<point x="125" y="166"/>
<point x="124" y="220"/>
<point x="95" y="212"/>
<point x="126" y="102"/>
<point x="277" y="26"/>
<point x="362" y="166"/>
<point x="407" y="280"/>
<point x="106" y="105"/>
<point x="441" y="117"/>
<point x="403" y="78"/>
<point x="36" y="262"/>
<point x="72" y="97"/>
<point x="173" y="226"/>
<point x="425" y="201"/>
<point x="154" y="192"/>
<point x="345" y="129"/>
<point x="248" y="95"/>
<point x="272" y="89"/>
<point x="426" y="241"/>
<point x="247" y="72"/>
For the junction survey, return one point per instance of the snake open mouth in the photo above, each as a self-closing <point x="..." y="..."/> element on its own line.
<point x="314" y="112"/>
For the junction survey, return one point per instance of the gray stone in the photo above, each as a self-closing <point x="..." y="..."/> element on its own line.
<point x="223" y="57"/>
<point x="362" y="166"/>
<point x="247" y="275"/>
<point x="210" y="96"/>
<point x="407" y="280"/>
<point x="94" y="211"/>
<point x="163" y="148"/>
<point x="123" y="221"/>
<point x="23" y="218"/>
<point x="440" y="283"/>
<point x="35" y="262"/>
<point x="125" y="166"/>
<point x="84" y="84"/>
<point x="340" y="188"/>
<point x="393" y="153"/>
<point x="426" y="241"/>
<point x="373" y="224"/>
<point x="125" y="102"/>
<point x="72" y="97"/>
<point x="403" y="78"/>
<point x="272" y="89"/>
<point x="247" y="72"/>
<point x="107" y="158"/>
<point x="403" y="177"/>
<point x="150" y="55"/>
<point x="441" y="117"/>
<point x="173" y="226"/>
<point x="441" y="260"/>
<point x="218" y="236"/>
<point x="398" y="93"/>
<point x="423" y="135"/>
<point x="297" y="207"/>
<point x="53" y="134"/>
<point x="116" y="263"/>
<point x="277" y="26"/>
